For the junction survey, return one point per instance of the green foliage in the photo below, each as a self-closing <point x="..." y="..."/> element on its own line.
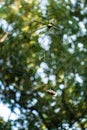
<point x="29" y="67"/>
<point x="5" y="125"/>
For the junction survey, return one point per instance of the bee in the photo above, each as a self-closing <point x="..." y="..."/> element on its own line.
<point x="51" y="92"/>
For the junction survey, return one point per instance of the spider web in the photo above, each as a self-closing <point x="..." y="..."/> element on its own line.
<point x="44" y="40"/>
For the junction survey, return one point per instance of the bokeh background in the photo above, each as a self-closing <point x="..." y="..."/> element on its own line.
<point x="43" y="46"/>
